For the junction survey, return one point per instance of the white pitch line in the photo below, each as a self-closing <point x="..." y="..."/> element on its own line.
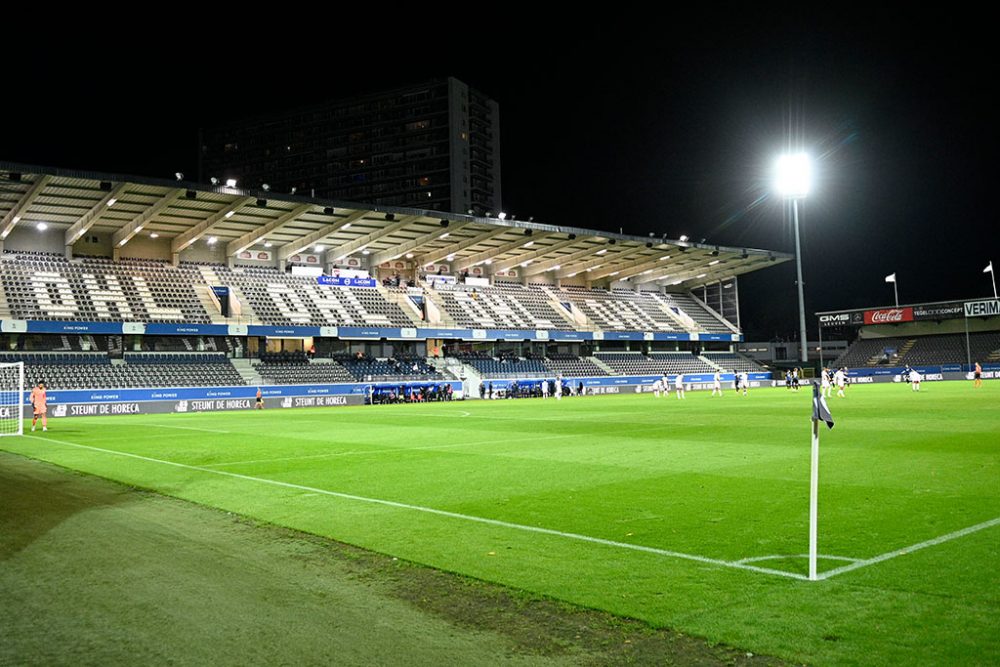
<point x="757" y="559"/>
<point x="444" y="513"/>
<point x="913" y="547"/>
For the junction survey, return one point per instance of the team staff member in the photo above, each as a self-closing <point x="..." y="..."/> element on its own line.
<point x="977" y="375"/>
<point x="39" y="402"/>
<point x="260" y="400"/>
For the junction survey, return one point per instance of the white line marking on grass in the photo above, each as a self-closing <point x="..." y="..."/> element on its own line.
<point x="444" y="513"/>
<point x="757" y="559"/>
<point x="191" y="428"/>
<point x="913" y="547"/>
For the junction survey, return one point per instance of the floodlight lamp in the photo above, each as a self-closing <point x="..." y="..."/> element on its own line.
<point x="793" y="175"/>
<point x="214" y="180"/>
<point x="502" y="215"/>
<point x="42" y="226"/>
<point x="179" y="176"/>
<point x="266" y="187"/>
<point x="683" y="238"/>
<point x="230" y="182"/>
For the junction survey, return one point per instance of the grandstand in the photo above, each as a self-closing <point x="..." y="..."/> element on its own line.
<point x="944" y="339"/>
<point x="657" y="363"/>
<point x="922" y="350"/>
<point x="86" y="370"/>
<point x="138" y="283"/>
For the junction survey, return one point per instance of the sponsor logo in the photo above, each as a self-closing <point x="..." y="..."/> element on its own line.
<point x="59" y="410"/>
<point x="286" y="402"/>
<point x="889" y="316"/>
<point x="982" y="308"/>
<point x="182" y="406"/>
<point x="866" y="379"/>
<point x="939" y="312"/>
<point x="834" y="320"/>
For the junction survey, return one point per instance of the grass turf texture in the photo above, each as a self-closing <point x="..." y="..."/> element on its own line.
<point x="725" y="479"/>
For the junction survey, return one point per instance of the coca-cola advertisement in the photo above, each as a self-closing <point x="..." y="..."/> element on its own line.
<point x="889" y="316"/>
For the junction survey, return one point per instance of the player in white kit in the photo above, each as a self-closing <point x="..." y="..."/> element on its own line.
<point x="915" y="379"/>
<point x="825" y="386"/>
<point x="717" y="383"/>
<point x="840" y="379"/>
<point x="545" y="388"/>
<point x="679" y="385"/>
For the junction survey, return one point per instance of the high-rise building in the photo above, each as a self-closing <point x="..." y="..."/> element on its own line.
<point x="431" y="146"/>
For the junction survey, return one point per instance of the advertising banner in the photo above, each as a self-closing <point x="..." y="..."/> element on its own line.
<point x="345" y="281"/>
<point x="889" y="316"/>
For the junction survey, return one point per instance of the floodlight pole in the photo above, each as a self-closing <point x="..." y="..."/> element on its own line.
<point x="803" y="340"/>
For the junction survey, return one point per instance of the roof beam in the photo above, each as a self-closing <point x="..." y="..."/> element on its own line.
<point x="630" y="269"/>
<point x="461" y="245"/>
<point x="362" y="242"/>
<point x="570" y="269"/>
<point x="403" y="248"/>
<point x="569" y="258"/>
<point x="481" y="257"/>
<point x="123" y="235"/>
<point x="298" y="245"/>
<point x="14" y="215"/>
<point x="91" y="217"/>
<point x="186" y="239"/>
<point x="533" y="254"/>
<point x="236" y="246"/>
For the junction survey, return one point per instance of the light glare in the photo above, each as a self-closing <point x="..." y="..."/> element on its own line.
<point x="793" y="175"/>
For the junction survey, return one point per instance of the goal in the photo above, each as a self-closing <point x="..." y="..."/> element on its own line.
<point x="11" y="398"/>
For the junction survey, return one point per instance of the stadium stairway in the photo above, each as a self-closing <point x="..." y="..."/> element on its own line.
<point x="403" y="301"/>
<point x="444" y="320"/>
<point x="685" y="321"/>
<point x="246" y="370"/>
<point x="571" y="318"/>
<point x="711" y="363"/>
<point x="603" y="366"/>
<point x="906" y="347"/>
<point x="204" y="293"/>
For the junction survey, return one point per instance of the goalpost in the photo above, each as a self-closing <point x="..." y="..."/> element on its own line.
<point x="11" y="398"/>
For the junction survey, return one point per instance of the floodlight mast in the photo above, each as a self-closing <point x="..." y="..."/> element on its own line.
<point x="793" y="181"/>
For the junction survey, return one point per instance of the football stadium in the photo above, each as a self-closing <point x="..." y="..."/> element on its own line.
<point x="558" y="419"/>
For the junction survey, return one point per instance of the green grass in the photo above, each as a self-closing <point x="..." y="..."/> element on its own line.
<point x="725" y="479"/>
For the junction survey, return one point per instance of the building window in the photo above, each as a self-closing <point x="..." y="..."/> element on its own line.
<point x="418" y="125"/>
<point x="424" y="181"/>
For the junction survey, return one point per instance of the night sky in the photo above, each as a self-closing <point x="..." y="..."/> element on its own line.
<point x="640" y="124"/>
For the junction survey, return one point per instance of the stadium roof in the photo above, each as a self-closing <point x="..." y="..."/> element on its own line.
<point x="185" y="213"/>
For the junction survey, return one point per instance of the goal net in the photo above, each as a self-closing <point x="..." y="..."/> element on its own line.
<point x="11" y="398"/>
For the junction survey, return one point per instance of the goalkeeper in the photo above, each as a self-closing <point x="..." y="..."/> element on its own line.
<point x="39" y="401"/>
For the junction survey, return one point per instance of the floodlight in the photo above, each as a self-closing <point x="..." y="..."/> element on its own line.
<point x="793" y="175"/>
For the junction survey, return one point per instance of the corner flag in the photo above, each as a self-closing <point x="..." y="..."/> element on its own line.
<point x="820" y="411"/>
<point x="891" y="278"/>
<point x="989" y="267"/>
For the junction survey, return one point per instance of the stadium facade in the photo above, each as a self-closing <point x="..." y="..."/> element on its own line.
<point x="434" y="145"/>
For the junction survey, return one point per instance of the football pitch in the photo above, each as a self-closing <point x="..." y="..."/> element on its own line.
<point x="690" y="514"/>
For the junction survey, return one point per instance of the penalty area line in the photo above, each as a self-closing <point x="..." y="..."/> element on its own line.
<point x="444" y="513"/>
